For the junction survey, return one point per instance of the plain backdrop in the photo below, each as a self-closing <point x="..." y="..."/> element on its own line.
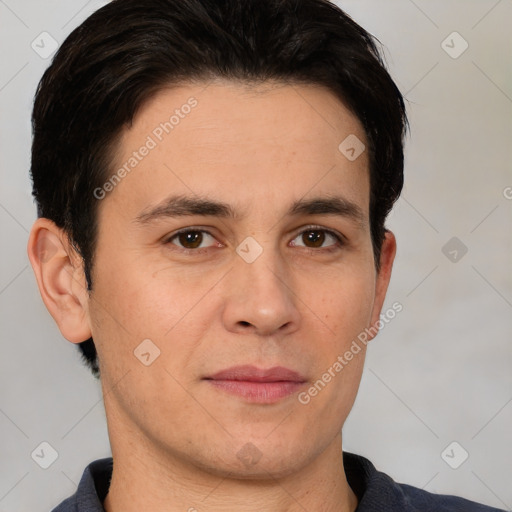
<point x="437" y="386"/>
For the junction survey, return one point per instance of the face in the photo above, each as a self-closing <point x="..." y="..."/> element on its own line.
<point x="233" y="267"/>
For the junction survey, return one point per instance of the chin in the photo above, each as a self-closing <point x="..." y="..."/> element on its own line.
<point x="252" y="463"/>
<point x="263" y="470"/>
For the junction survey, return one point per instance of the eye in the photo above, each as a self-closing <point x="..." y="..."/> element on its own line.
<point x="192" y="239"/>
<point x="314" y="237"/>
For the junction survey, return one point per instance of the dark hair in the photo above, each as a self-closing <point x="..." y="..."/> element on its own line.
<point x="128" y="50"/>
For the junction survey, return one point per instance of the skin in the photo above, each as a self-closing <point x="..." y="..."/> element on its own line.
<point x="174" y="436"/>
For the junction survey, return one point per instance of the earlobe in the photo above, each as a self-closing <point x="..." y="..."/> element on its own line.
<point x="387" y="257"/>
<point x="60" y="278"/>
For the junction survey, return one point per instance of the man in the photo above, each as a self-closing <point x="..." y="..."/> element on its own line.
<point x="212" y="181"/>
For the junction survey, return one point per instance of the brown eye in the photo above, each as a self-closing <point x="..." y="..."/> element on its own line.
<point x="316" y="237"/>
<point x="190" y="239"/>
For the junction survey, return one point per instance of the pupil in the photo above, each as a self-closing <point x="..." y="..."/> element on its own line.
<point x="315" y="237"/>
<point x="192" y="238"/>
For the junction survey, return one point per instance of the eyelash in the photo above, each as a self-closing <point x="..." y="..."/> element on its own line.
<point x="339" y="239"/>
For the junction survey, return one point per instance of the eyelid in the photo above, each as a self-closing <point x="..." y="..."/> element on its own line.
<point x="311" y="227"/>
<point x="314" y="227"/>
<point x="167" y="239"/>
<point x="338" y="236"/>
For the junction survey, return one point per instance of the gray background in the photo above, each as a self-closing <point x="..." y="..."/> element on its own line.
<point x="439" y="372"/>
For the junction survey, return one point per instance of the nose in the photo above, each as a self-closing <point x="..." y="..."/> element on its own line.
<point x="260" y="297"/>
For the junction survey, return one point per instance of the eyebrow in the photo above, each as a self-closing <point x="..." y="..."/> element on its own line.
<point x="181" y="206"/>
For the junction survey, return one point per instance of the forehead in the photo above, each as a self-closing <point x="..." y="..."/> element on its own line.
<point x="243" y="144"/>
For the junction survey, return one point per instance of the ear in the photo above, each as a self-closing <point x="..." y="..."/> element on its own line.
<point x="387" y="256"/>
<point x="60" y="278"/>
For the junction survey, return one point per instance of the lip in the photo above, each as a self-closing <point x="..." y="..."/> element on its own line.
<point x="251" y="373"/>
<point x="258" y="385"/>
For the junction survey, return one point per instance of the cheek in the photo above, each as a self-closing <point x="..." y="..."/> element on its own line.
<point x="137" y="304"/>
<point x="345" y="301"/>
<point x="346" y="305"/>
<point x="134" y="294"/>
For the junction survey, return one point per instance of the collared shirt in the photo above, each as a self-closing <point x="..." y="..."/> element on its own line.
<point x="376" y="491"/>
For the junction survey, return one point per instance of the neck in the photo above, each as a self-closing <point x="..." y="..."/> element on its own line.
<point x="143" y="479"/>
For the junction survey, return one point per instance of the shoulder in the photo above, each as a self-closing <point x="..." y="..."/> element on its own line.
<point x="91" y="490"/>
<point x="68" y="505"/>
<point x="377" y="491"/>
<point x="424" y="501"/>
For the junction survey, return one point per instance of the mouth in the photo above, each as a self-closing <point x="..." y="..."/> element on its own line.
<point x="257" y="385"/>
